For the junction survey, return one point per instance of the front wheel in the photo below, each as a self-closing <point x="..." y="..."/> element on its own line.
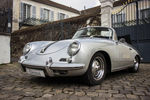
<point x="97" y="69"/>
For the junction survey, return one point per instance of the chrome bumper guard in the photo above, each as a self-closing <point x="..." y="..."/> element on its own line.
<point x="54" y="67"/>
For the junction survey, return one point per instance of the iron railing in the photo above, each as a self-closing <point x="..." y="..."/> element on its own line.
<point x="32" y="22"/>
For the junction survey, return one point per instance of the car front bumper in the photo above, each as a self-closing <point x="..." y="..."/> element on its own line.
<point x="57" y="69"/>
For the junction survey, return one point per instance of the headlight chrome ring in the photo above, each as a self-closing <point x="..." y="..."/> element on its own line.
<point x="26" y="49"/>
<point x="74" y="48"/>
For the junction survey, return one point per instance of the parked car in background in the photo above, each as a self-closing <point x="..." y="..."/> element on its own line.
<point x="92" y="53"/>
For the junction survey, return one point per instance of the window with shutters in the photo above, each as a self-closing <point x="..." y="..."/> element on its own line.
<point x="25" y="11"/>
<point x="45" y="14"/>
<point x="61" y="16"/>
<point x="67" y="16"/>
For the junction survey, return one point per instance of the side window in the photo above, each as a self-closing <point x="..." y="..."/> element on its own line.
<point x="45" y="14"/>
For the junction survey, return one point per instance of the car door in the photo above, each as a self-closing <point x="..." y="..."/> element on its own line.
<point x="124" y="54"/>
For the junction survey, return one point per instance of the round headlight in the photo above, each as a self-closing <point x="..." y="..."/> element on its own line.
<point x="26" y="49"/>
<point x="73" y="48"/>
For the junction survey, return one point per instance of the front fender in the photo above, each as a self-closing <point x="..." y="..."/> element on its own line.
<point x="87" y="51"/>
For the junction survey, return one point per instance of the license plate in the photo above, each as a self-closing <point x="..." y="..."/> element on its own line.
<point x="35" y="72"/>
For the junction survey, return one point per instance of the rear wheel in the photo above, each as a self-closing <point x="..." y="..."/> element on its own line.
<point x="136" y="65"/>
<point x="97" y="69"/>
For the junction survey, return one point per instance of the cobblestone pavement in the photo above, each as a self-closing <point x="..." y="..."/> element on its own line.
<point x="16" y="85"/>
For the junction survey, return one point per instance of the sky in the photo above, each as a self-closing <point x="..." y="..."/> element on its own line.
<point x="79" y="4"/>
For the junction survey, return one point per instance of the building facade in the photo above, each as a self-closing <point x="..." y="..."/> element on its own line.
<point x="126" y="10"/>
<point x="36" y="12"/>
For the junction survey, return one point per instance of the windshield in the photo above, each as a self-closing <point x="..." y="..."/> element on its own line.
<point x="93" y="32"/>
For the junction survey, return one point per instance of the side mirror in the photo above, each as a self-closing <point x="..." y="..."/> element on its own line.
<point x="122" y="40"/>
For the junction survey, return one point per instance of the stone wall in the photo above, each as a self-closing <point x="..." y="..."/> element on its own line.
<point x="57" y="30"/>
<point x="15" y="18"/>
<point x="4" y="48"/>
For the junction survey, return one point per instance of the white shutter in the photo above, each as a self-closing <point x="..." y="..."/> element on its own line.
<point x="42" y="13"/>
<point x="51" y="15"/>
<point x="58" y="16"/>
<point x="33" y="12"/>
<point x="21" y="11"/>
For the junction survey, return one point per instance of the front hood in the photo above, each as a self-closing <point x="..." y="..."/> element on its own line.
<point x="59" y="45"/>
<point x="54" y="47"/>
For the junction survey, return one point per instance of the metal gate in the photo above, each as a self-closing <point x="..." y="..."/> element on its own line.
<point x="132" y="21"/>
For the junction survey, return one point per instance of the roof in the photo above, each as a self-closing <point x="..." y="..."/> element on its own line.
<point x="57" y="5"/>
<point x="96" y="9"/>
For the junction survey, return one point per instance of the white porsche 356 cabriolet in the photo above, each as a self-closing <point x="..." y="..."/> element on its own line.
<point x="92" y="52"/>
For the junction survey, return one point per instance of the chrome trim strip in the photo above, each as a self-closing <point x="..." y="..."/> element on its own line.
<point x="58" y="66"/>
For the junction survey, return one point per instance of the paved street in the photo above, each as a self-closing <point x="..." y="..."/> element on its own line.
<point x="15" y="85"/>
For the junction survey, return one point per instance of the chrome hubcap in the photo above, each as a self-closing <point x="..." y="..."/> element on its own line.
<point x="98" y="68"/>
<point x="136" y="64"/>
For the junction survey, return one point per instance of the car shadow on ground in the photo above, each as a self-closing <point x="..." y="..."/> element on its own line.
<point x="77" y="81"/>
<point x="57" y="81"/>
